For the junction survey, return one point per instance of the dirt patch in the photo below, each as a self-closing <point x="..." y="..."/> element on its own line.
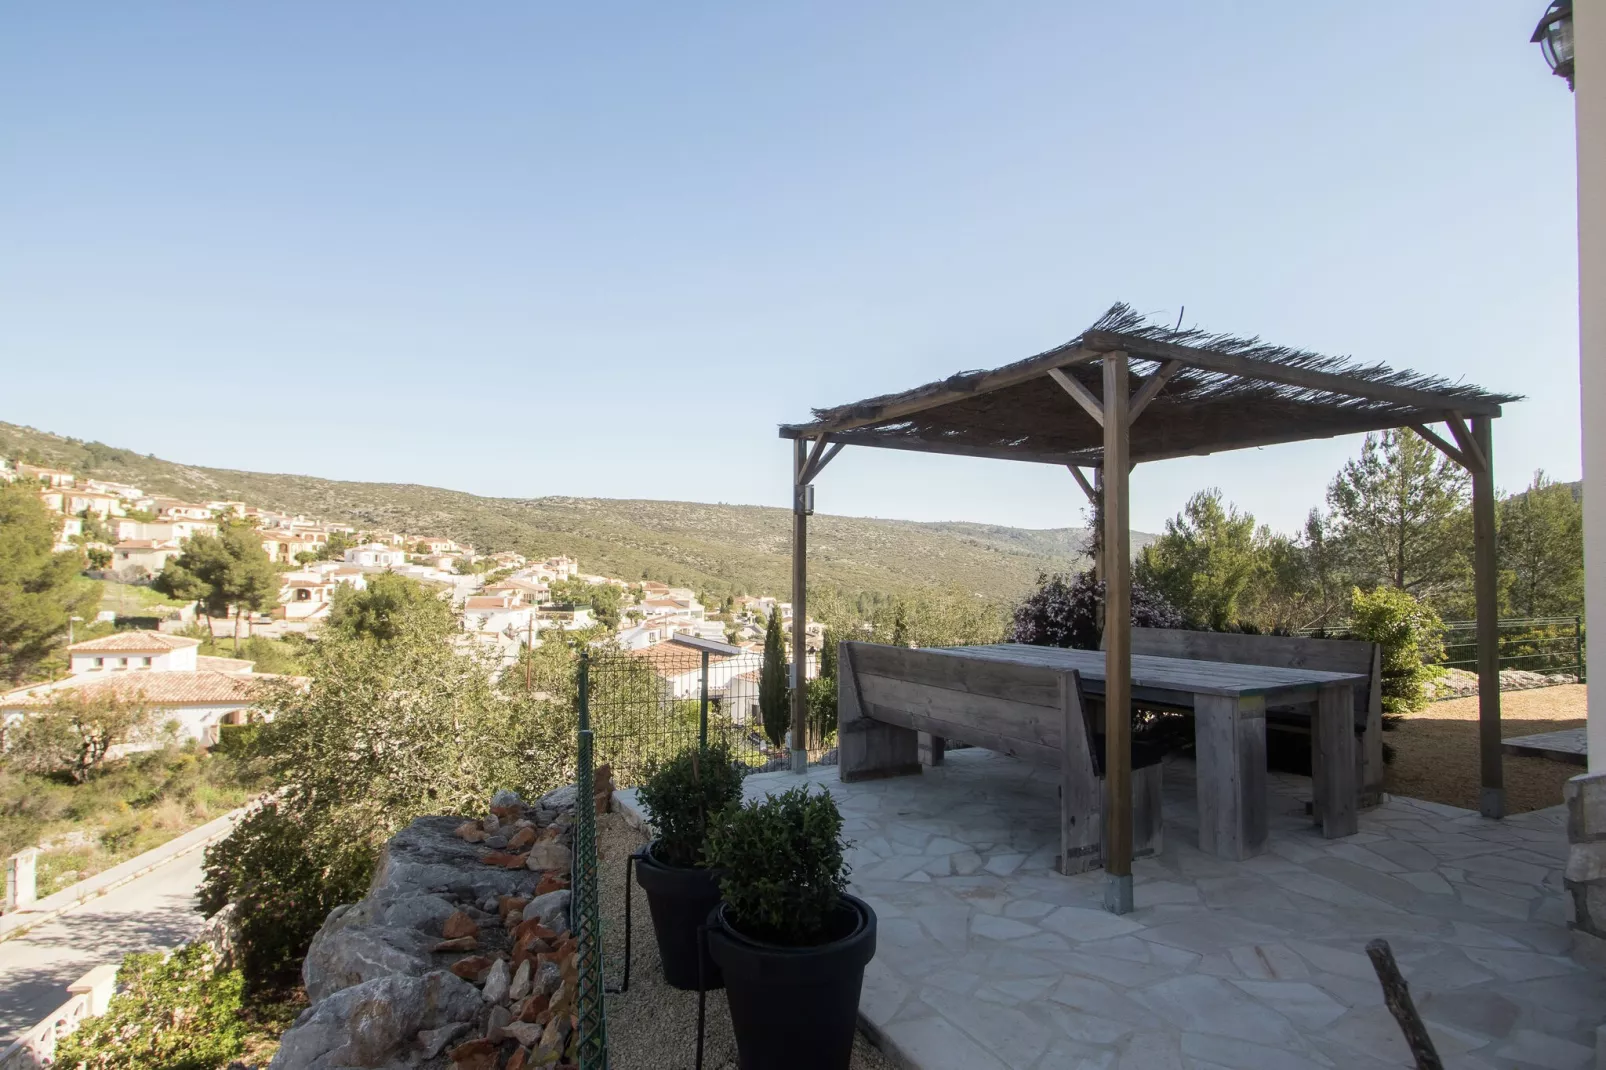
<point x="1436" y="749"/>
<point x="654" y="1026"/>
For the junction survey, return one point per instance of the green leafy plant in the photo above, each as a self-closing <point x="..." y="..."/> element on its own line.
<point x="784" y="871"/>
<point x="683" y="794"/>
<point x="285" y="871"/>
<point x="172" y="1012"/>
<point x="1409" y="634"/>
<point x="774" y="690"/>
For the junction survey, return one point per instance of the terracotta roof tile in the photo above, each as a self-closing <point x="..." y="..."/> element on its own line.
<point x="140" y="642"/>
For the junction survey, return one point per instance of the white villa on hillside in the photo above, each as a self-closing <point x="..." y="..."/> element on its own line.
<point x="200" y="693"/>
<point x="376" y="555"/>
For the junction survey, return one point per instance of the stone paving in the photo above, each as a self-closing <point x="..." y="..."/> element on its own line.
<point x="989" y="959"/>
<point x="1566" y="745"/>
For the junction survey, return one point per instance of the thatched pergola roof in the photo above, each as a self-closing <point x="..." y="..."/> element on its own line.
<point x="1206" y="393"/>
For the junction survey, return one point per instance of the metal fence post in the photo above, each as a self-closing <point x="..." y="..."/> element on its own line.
<point x="702" y="714"/>
<point x="591" y="1046"/>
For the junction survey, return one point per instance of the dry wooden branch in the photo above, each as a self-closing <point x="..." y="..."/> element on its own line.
<point x="1397" y="995"/>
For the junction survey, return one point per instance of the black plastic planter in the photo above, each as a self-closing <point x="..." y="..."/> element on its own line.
<point x="679" y="899"/>
<point x="794" y="1008"/>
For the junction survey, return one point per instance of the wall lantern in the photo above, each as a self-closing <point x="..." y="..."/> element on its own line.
<point x="1554" y="36"/>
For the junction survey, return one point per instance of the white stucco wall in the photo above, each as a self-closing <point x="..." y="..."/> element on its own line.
<point x="1589" y="29"/>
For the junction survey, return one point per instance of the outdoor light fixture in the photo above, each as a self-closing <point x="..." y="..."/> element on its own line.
<point x="1554" y="36"/>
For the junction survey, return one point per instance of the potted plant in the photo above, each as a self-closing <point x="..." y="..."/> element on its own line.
<point x="792" y="944"/>
<point x="680" y="797"/>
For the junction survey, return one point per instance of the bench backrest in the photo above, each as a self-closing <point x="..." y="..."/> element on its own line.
<point x="1013" y="709"/>
<point x="1281" y="651"/>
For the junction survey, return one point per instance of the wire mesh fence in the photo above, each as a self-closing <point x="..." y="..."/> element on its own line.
<point x="1535" y="644"/>
<point x="653" y="703"/>
<point x="591" y="1046"/>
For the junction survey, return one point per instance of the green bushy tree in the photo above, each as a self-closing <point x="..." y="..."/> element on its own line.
<point x="1207" y="559"/>
<point x="1542" y="550"/>
<point x="773" y="690"/>
<point x="40" y="589"/>
<point x="1400" y="512"/>
<point x="380" y="610"/>
<point x="285" y="870"/>
<point x="1408" y="631"/>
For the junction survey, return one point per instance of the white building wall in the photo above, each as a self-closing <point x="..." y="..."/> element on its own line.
<point x="1589" y="38"/>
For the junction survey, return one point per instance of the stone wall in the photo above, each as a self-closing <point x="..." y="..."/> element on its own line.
<point x="1585" y="876"/>
<point x="459" y="957"/>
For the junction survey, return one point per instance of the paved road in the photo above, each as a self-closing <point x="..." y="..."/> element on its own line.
<point x="148" y="912"/>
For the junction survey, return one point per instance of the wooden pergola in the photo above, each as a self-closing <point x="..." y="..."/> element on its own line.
<point x="1126" y="391"/>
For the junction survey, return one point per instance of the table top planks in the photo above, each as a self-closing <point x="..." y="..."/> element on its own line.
<point x="1181" y="676"/>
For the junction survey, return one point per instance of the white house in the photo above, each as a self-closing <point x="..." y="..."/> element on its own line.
<point x="123" y="490"/>
<point x="569" y="617"/>
<point x="161" y="530"/>
<point x="501" y="614"/>
<point x="155" y="651"/>
<point x="375" y="555"/>
<point x="71" y="527"/>
<point x="163" y="670"/>
<point x="93" y="501"/>
<point x="147" y="554"/>
<point x="52" y="477"/>
<point x="306" y="597"/>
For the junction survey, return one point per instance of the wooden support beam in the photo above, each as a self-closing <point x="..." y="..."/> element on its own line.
<point x="818" y="466"/>
<point x="1289" y="375"/>
<point x="895" y="441"/>
<point x="1444" y="447"/>
<point x="800" y="599"/>
<point x="1468" y="441"/>
<point x="1084" y="397"/>
<point x="1151" y="387"/>
<point x="1087" y="487"/>
<point x="1384" y="422"/>
<point x="1117" y="639"/>
<point x="955" y="388"/>
<point x="1486" y="587"/>
<point x="802" y="475"/>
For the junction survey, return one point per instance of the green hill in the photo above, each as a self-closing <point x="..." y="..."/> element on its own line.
<point x="718" y="548"/>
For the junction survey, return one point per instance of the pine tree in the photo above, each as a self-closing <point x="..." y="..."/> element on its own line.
<point x="1542" y="550"/>
<point x="39" y="588"/>
<point x="1399" y="510"/>
<point x="773" y="693"/>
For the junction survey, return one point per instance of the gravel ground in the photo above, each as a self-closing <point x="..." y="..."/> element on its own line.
<point x="1436" y="749"/>
<point x="654" y="1026"/>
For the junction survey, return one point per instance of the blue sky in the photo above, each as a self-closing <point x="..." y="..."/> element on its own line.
<point x="527" y="249"/>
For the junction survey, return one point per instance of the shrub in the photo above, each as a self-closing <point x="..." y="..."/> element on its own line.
<point x="784" y="871"/>
<point x="682" y="794"/>
<point x="286" y="871"/>
<point x="1409" y="634"/>
<point x="236" y="740"/>
<point x="73" y="732"/>
<point x="172" y="1012"/>
<point x="1065" y="611"/>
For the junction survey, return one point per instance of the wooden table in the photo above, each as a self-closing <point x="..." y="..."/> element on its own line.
<point x="1229" y="707"/>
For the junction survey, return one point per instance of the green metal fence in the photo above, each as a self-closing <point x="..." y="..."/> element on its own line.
<point x="1537" y="644"/>
<point x="585" y="913"/>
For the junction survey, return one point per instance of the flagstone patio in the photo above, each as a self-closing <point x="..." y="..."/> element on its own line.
<point x="987" y="958"/>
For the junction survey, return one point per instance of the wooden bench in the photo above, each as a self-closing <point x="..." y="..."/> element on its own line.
<point x="888" y="697"/>
<point x="1293" y="652"/>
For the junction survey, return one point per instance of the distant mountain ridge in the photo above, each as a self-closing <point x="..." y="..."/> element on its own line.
<point x="719" y="548"/>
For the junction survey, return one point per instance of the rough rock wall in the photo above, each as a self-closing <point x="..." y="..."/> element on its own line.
<point x="460" y="956"/>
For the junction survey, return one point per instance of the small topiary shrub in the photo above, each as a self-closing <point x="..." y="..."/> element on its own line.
<point x="286" y="871"/>
<point x="172" y="1012"/>
<point x="784" y="872"/>
<point x="682" y="795"/>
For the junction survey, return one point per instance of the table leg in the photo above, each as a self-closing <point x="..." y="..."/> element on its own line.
<point x="1332" y="761"/>
<point x="1230" y="741"/>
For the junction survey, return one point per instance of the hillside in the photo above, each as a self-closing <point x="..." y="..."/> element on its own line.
<point x="718" y="548"/>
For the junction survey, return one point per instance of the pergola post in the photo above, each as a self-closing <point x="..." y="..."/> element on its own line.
<point x="1486" y="578"/>
<point x="1117" y="557"/>
<point x="800" y="580"/>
